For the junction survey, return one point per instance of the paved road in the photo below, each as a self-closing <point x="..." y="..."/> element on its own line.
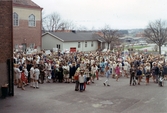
<point x="61" y="98"/>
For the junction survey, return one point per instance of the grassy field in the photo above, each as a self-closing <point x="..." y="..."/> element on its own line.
<point x="137" y="47"/>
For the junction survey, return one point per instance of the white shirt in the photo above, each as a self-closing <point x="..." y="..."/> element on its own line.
<point x="81" y="79"/>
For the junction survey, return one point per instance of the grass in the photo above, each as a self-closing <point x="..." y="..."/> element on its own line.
<point x="137" y="47"/>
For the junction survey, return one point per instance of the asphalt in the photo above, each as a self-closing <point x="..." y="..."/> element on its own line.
<point x="61" y="98"/>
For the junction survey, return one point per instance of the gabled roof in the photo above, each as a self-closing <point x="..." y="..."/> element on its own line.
<point x="26" y="3"/>
<point x="78" y="36"/>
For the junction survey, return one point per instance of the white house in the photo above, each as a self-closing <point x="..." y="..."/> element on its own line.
<point x="73" y="41"/>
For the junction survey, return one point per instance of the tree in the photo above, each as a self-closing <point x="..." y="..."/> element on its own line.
<point x="110" y="36"/>
<point x="156" y="32"/>
<point x="68" y="25"/>
<point x="53" y="22"/>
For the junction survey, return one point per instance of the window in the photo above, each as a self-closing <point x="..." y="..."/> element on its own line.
<point x="92" y="44"/>
<point x="58" y="46"/>
<point x="79" y="44"/>
<point x="32" y="45"/>
<point x="31" y="21"/>
<point x="85" y="44"/>
<point x="15" y="19"/>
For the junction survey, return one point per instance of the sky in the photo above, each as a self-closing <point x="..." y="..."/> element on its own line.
<point x="96" y="14"/>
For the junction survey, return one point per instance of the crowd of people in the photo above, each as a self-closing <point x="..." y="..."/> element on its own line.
<point x="83" y="68"/>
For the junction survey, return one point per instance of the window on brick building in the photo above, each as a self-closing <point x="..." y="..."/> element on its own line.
<point x="15" y="19"/>
<point x="32" y="45"/>
<point x="31" y="21"/>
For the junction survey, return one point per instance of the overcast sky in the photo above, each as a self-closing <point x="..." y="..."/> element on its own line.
<point x="118" y="14"/>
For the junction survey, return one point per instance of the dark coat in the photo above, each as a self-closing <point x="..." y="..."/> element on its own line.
<point x="60" y="75"/>
<point x="72" y="70"/>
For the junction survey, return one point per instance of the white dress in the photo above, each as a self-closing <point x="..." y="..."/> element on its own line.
<point x="26" y="72"/>
<point x="36" y="73"/>
<point x="32" y="72"/>
<point x="18" y="73"/>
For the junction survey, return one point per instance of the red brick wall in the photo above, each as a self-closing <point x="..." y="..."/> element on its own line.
<point x="6" y="38"/>
<point x="25" y="34"/>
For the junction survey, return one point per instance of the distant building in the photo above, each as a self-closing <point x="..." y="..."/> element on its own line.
<point x="27" y="24"/>
<point x="73" y="41"/>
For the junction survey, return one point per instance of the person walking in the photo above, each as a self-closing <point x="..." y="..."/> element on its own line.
<point x="107" y="76"/>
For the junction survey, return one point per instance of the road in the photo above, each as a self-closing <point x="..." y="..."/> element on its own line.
<point x="61" y="98"/>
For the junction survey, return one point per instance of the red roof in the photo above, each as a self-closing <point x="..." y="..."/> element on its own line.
<point x="26" y="3"/>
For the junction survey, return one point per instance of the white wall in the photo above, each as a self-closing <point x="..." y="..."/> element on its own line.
<point x="49" y="42"/>
<point x="68" y="45"/>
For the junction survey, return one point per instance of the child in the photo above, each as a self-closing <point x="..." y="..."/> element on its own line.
<point x="76" y="77"/>
<point x="147" y="74"/>
<point x="81" y="81"/>
<point x="23" y="80"/>
<point x="85" y="80"/>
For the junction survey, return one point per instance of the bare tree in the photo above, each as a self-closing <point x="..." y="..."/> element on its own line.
<point x="53" y="22"/>
<point x="156" y="32"/>
<point x="69" y="25"/>
<point x="110" y="36"/>
<point x="44" y="21"/>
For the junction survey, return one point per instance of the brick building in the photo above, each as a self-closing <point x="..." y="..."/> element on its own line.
<point x="6" y="43"/>
<point x="27" y="24"/>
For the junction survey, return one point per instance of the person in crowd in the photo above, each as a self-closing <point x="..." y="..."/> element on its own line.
<point x="18" y="76"/>
<point x="23" y="80"/>
<point x="60" y="76"/>
<point x="15" y="74"/>
<point x="147" y="75"/>
<point x="102" y="67"/>
<point x="66" y="73"/>
<point x="76" y="77"/>
<point x="87" y="73"/>
<point x="132" y="75"/>
<point x="139" y="74"/>
<point x="36" y="77"/>
<point x="93" y="72"/>
<point x="42" y="72"/>
<point x="72" y="72"/>
<point x="32" y="76"/>
<point x="117" y="72"/>
<point x="156" y="72"/>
